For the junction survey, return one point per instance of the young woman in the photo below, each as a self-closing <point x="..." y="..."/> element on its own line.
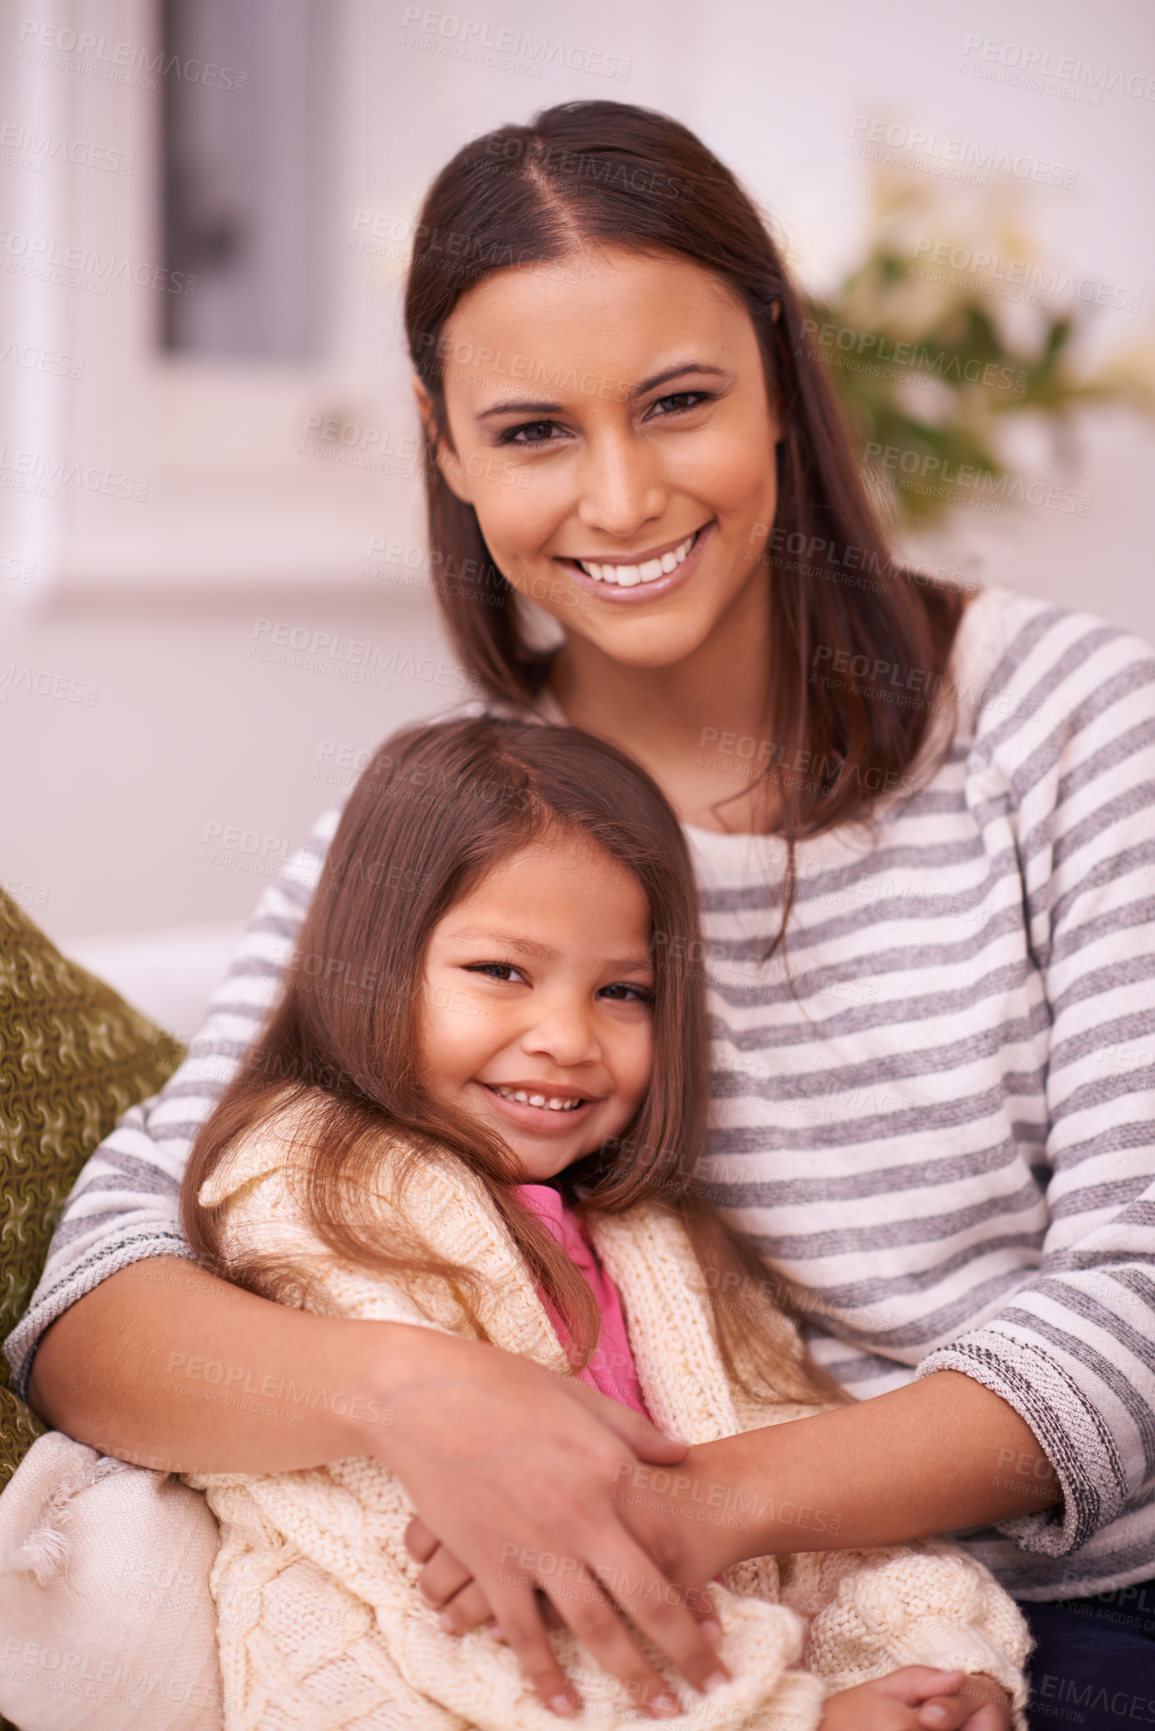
<point x="480" y="1106"/>
<point x="922" y="836"/>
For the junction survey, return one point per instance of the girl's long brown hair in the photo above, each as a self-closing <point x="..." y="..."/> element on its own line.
<point x="437" y="807"/>
<point x="612" y="174"/>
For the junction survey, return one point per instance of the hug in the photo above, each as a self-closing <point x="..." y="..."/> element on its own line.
<point x="721" y="1195"/>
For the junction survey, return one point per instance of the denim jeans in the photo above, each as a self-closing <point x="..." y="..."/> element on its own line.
<point x="1093" y="1668"/>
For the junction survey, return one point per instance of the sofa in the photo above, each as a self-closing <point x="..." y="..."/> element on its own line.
<point x="74" y="1056"/>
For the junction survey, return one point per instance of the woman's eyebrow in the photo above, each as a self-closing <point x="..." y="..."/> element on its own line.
<point x="523" y="406"/>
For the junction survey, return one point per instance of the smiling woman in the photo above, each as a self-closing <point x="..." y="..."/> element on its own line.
<point x="637" y="515"/>
<point x="627" y="489"/>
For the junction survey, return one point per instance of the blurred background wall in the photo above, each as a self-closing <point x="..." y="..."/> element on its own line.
<point x="206" y="427"/>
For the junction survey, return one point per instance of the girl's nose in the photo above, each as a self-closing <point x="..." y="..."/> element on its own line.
<point x="621" y="484"/>
<point x="564" y="1034"/>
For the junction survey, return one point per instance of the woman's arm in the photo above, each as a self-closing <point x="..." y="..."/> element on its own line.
<point x="941" y="1454"/>
<point x="168" y="1366"/>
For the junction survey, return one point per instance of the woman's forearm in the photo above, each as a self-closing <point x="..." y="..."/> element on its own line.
<point x="939" y="1455"/>
<point x="166" y="1365"/>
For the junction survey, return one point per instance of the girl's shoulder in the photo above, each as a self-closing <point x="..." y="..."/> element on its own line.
<point x="271" y="1144"/>
<point x="277" y="1149"/>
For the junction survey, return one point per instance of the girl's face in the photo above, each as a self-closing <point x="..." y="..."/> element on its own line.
<point x="536" y="1014"/>
<point x="611" y="428"/>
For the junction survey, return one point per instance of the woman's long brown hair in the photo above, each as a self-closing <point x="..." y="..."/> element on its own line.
<point x="612" y="174"/>
<point x="438" y="807"/>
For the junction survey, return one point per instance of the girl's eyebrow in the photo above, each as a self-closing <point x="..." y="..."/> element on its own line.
<point x="544" y="952"/>
<point x="523" y="406"/>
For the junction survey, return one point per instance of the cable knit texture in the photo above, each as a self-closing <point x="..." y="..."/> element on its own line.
<point x="321" y="1623"/>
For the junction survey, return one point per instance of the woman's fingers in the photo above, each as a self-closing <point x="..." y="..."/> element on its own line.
<point x="634" y="1429"/>
<point x="448" y="1586"/>
<point x="633" y="1583"/>
<point x="576" y="1599"/>
<point x="581" y="1604"/>
<point x="519" y="1621"/>
<point x="508" y="1465"/>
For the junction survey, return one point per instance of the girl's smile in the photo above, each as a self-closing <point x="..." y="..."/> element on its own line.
<point x="535" y="1106"/>
<point x="536" y="1015"/>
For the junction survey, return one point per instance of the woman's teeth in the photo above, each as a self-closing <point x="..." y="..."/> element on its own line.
<point x="625" y="576"/>
<point x="554" y="1103"/>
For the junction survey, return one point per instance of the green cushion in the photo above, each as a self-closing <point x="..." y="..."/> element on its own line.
<point x="73" y="1058"/>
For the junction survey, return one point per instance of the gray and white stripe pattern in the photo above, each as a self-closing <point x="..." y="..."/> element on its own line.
<point x="941" y="1125"/>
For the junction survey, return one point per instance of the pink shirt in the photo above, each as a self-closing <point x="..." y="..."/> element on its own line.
<point x="611" y="1363"/>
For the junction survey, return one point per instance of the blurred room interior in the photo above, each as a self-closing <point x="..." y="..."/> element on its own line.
<point x="208" y="432"/>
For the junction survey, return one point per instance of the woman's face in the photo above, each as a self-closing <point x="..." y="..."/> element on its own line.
<point x="611" y="428"/>
<point x="538" y="984"/>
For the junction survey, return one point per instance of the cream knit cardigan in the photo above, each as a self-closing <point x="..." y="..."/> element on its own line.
<point x="321" y="1624"/>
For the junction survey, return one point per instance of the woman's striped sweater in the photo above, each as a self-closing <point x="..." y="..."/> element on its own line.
<point x="943" y="1125"/>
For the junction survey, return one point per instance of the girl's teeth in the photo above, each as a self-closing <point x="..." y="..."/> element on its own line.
<point x="625" y="576"/>
<point x="554" y="1102"/>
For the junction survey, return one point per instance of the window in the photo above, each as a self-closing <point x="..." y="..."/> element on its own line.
<point x="219" y="419"/>
<point x="244" y="182"/>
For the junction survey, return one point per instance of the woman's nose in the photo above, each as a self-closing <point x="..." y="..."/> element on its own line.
<point x="622" y="485"/>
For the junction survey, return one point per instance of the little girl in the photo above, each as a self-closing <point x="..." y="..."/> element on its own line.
<point x="479" y="1106"/>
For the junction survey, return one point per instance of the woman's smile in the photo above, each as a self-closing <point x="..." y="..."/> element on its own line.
<point x="644" y="473"/>
<point x="646" y="576"/>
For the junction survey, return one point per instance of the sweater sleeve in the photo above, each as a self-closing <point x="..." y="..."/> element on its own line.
<point x="1072" y="1350"/>
<point x="125" y="1204"/>
<point x="871" y="1612"/>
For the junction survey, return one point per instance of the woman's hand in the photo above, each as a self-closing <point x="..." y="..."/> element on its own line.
<point x="515" y="1471"/>
<point x="513" y="1468"/>
<point x="666" y="1521"/>
<point x="448" y="1586"/>
<point x="920" y="1699"/>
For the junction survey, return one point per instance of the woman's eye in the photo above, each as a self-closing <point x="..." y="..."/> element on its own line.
<point x="495" y="970"/>
<point x="685" y="401"/>
<point x="511" y="434"/>
<point x="541" y="432"/>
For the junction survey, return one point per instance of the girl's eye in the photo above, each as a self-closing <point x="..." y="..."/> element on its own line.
<point x="495" y="970"/>
<point x="620" y="993"/>
<point x="510" y="436"/>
